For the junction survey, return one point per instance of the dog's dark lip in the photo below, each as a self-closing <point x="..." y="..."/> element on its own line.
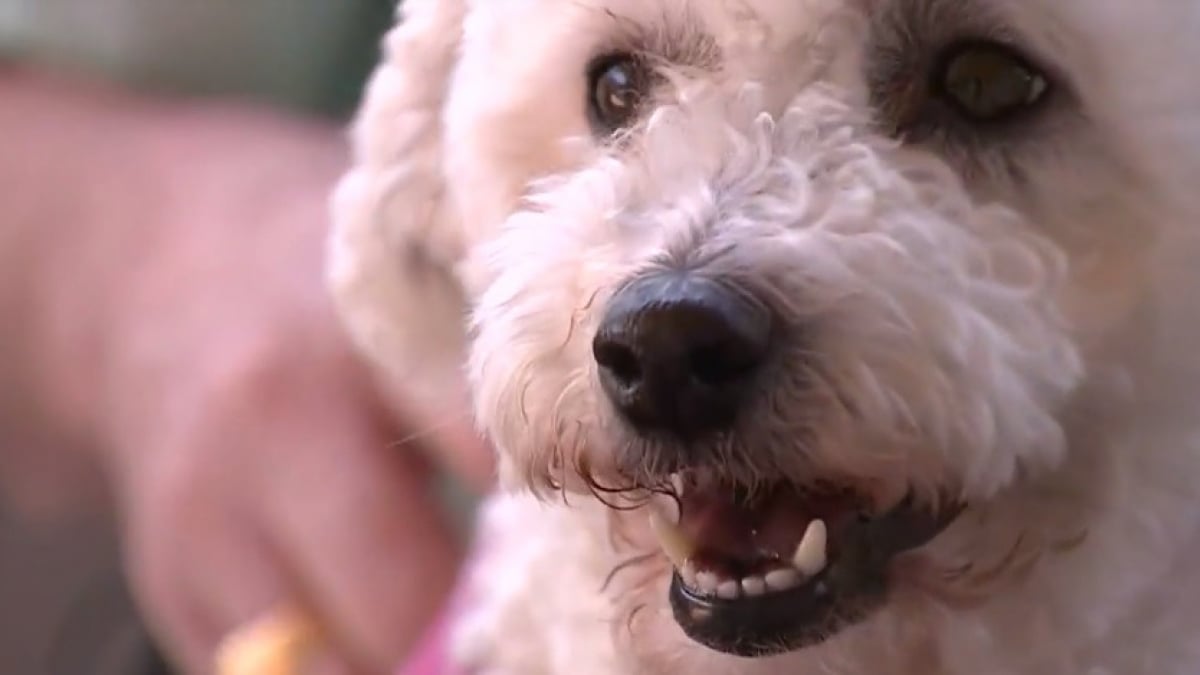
<point x="754" y="627"/>
<point x="853" y="584"/>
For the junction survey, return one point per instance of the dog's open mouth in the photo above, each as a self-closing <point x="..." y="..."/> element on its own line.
<point x="785" y="567"/>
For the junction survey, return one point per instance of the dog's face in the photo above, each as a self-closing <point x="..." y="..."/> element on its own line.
<point x="829" y="273"/>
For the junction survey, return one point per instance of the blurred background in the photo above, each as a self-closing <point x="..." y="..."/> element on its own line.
<point x="307" y="55"/>
<point x="64" y="609"/>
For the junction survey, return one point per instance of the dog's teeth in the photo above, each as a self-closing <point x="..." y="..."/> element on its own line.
<point x="673" y="541"/>
<point x="810" y="553"/>
<point x="688" y="574"/>
<point x="753" y="586"/>
<point x="707" y="582"/>
<point x="782" y="579"/>
<point x="728" y="590"/>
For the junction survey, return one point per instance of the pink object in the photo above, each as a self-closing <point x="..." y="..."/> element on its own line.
<point x="431" y="656"/>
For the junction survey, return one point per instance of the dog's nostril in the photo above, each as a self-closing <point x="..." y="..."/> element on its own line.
<point x="618" y="360"/>
<point x="676" y="352"/>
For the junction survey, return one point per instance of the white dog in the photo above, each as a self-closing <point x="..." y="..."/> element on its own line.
<point x="815" y="336"/>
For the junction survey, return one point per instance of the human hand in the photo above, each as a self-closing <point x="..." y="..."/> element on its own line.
<point x="253" y="460"/>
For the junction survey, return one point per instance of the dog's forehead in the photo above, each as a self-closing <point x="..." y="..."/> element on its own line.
<point x="730" y="19"/>
<point x="727" y="22"/>
<point x="1102" y="44"/>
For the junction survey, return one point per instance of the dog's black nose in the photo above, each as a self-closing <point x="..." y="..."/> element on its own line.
<point x="677" y="352"/>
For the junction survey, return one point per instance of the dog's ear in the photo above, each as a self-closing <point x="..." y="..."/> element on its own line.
<point x="395" y="239"/>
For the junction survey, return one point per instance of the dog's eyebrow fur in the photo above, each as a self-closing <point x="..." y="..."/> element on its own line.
<point x="672" y="39"/>
<point x="912" y="30"/>
<point x="939" y="15"/>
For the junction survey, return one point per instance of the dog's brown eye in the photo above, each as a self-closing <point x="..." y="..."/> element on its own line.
<point x="989" y="82"/>
<point x="616" y="86"/>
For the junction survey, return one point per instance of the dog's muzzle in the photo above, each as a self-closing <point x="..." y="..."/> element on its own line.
<point x="758" y="569"/>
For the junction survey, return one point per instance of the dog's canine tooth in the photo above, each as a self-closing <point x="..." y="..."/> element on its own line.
<point x="753" y="586"/>
<point x="782" y="579"/>
<point x="677" y="483"/>
<point x="810" y="556"/>
<point x="729" y="590"/>
<point x="675" y="544"/>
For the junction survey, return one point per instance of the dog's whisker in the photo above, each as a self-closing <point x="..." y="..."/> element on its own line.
<point x="623" y="566"/>
<point x="430" y="431"/>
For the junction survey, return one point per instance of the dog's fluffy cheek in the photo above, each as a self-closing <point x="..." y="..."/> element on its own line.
<point x="530" y="362"/>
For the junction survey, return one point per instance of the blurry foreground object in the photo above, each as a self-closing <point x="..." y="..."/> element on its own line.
<point x="278" y="644"/>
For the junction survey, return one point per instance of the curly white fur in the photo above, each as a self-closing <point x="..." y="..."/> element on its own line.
<point x="1013" y="322"/>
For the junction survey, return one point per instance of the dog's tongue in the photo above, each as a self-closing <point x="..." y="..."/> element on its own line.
<point x="767" y="528"/>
